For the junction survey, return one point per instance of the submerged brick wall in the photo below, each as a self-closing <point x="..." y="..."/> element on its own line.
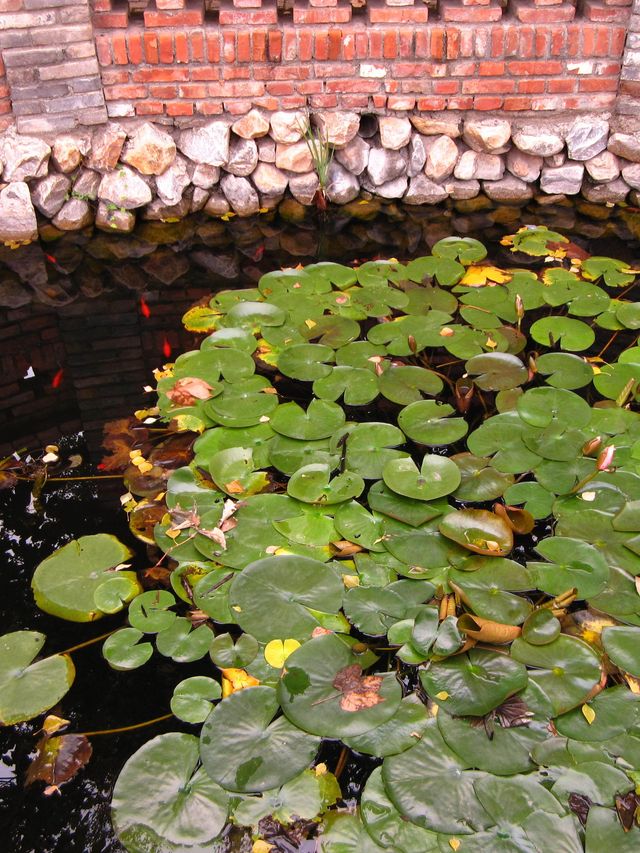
<point x="73" y="62"/>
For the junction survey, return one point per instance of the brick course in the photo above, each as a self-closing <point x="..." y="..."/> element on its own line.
<point x="457" y="55"/>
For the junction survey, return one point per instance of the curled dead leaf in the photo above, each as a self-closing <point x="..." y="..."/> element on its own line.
<point x="487" y="631"/>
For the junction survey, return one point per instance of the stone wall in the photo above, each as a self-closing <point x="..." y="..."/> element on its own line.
<point x="73" y="62"/>
<point x="118" y="174"/>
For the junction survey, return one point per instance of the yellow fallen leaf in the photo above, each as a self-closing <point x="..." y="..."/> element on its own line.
<point x="53" y="724"/>
<point x="261" y="846"/>
<point x="234" y="679"/>
<point x="145" y="467"/>
<point x="277" y="651"/>
<point x="481" y="275"/>
<point x="350" y="581"/>
<point x="588" y="713"/>
<point x="446" y="332"/>
<point x="320" y="769"/>
<point x="310" y="324"/>
<point x="491" y="343"/>
<point x="454" y="843"/>
<point x="442" y="695"/>
<point x="234" y="487"/>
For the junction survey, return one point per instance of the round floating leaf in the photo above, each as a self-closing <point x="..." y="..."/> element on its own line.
<point x="613" y="712"/>
<point x="480" y="480"/>
<point x="233" y="472"/>
<point x="304" y="797"/>
<point x="566" y="670"/>
<point x="572" y="335"/>
<point x="410" y="511"/>
<point x="437" y="477"/>
<point x="242" y="404"/>
<point x="289" y="454"/>
<point x="615" y="379"/>
<point x="247" y="315"/>
<point x="428" y="422"/>
<point x="605" y="832"/>
<point x="541" y="627"/>
<point x="243" y="748"/>
<point x="497" y="371"/>
<point x="64" y="584"/>
<point x="355" y="523"/>
<point x="187" y="808"/>
<point x="330" y="331"/>
<point x="372" y="610"/>
<point x="474" y="683"/>
<point x="486" y="585"/>
<point x="370" y="446"/>
<point x="345" y="833"/>
<point x="572" y="563"/>
<point x="149" y="612"/>
<point x="235" y="339"/>
<point x="313" y="484"/>
<point x="386" y="825"/>
<point x="337" y="274"/>
<point x="536" y="499"/>
<point x="431" y="785"/>
<point x="123" y="651"/>
<point x="258" y="438"/>
<point x="275" y="598"/>
<point x="182" y="643"/>
<point x="113" y="594"/>
<point x="226" y="653"/>
<point x="192" y="698"/>
<point x="356" y="385"/>
<point x="478" y="530"/>
<point x="324" y="691"/>
<point x="465" y="249"/>
<point x="502" y="436"/>
<point x="321" y="420"/>
<point x="564" y="370"/>
<point x="27" y="688"/>
<point x="540" y="407"/>
<point x="398" y="734"/>
<point x="407" y="384"/>
<point x="306" y="361"/>
<point x="623" y="647"/>
<point x="615" y="273"/>
<point x="505" y="752"/>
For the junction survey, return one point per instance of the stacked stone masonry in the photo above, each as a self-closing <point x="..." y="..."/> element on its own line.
<point x="117" y="174"/>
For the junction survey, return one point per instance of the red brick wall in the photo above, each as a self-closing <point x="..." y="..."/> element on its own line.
<point x="5" y="102"/>
<point x="464" y="56"/>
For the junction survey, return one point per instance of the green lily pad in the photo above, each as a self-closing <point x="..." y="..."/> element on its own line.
<point x="27" y="689"/>
<point x="236" y="339"/>
<point x="566" y="670"/>
<point x="541" y="627"/>
<point x="123" y="649"/>
<point x="572" y="563"/>
<point x="188" y="808"/>
<point x="149" y="612"/>
<point x="540" y="407"/>
<point x="258" y="438"/>
<point x="275" y="598"/>
<point x="243" y="748"/>
<point x="183" y="643"/>
<point x="345" y="833"/>
<point x="330" y="331"/>
<point x="428" y="422"/>
<point x="372" y="610"/>
<point x="356" y="385"/>
<point x="474" y="683"/>
<point x="311" y="700"/>
<point x="432" y="786"/>
<point x="408" y="510"/>
<point x="604" y="831"/>
<point x="535" y="498"/>
<point x="242" y="404"/>
<point x="572" y="335"/>
<point x="226" y="653"/>
<point x="480" y="480"/>
<point x="354" y="523"/>
<point x="320" y="420"/>
<point x="437" y="477"/>
<point x="385" y="824"/>
<point x="613" y="272"/>
<point x="313" y="484"/>
<point x="305" y="797"/>
<point x="622" y="645"/>
<point x="64" y="584"/>
<point x="192" y="698"/>
<point x="497" y="371"/>
<point x="564" y="370"/>
<point x="505" y="752"/>
<point x="407" y="384"/>
<point x="615" y="711"/>
<point x="233" y="472"/>
<point x="465" y="249"/>
<point x="370" y="446"/>
<point x="398" y="734"/>
<point x="306" y="361"/>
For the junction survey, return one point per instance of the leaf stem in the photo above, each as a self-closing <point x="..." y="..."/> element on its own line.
<point x="73" y="479"/>
<point x="87" y="643"/>
<point x="126" y="728"/>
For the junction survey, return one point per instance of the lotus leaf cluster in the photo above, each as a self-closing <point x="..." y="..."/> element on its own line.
<point x="410" y="526"/>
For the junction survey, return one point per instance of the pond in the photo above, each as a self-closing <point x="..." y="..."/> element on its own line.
<point x="86" y="320"/>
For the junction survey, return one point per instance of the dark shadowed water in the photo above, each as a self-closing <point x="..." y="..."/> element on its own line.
<point x="84" y="319"/>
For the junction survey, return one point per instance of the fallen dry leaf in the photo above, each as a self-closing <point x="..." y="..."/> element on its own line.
<point x="358" y="691"/>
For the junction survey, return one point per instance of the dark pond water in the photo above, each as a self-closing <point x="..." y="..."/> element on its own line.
<point x="84" y="319"/>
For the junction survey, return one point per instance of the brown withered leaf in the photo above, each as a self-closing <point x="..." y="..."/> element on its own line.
<point x="512" y="713"/>
<point x="358" y="691"/>
<point x="7" y="480"/>
<point x="120" y="437"/>
<point x="627" y="809"/>
<point x="157" y="576"/>
<point x="58" y="759"/>
<point x="189" y="390"/>
<point x="235" y="487"/>
<point x="580" y="805"/>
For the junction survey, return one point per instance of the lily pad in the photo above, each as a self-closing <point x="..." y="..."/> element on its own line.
<point x="320" y="420"/>
<point x="192" y="698"/>
<point x="313" y="484"/>
<point x="497" y="371"/>
<point x="29" y="688"/>
<point x="437" y="477"/>
<point x="398" y="734"/>
<point x="478" y="530"/>
<point x="245" y="747"/>
<point x="123" y="649"/>
<point x="572" y="335"/>
<point x="188" y="808"/>
<point x="64" y="584"/>
<point x="475" y="683"/>
<point x="622" y="645"/>
<point x="573" y="563"/>
<point x="428" y="422"/>
<point x="275" y="598"/>
<point x="324" y="690"/>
